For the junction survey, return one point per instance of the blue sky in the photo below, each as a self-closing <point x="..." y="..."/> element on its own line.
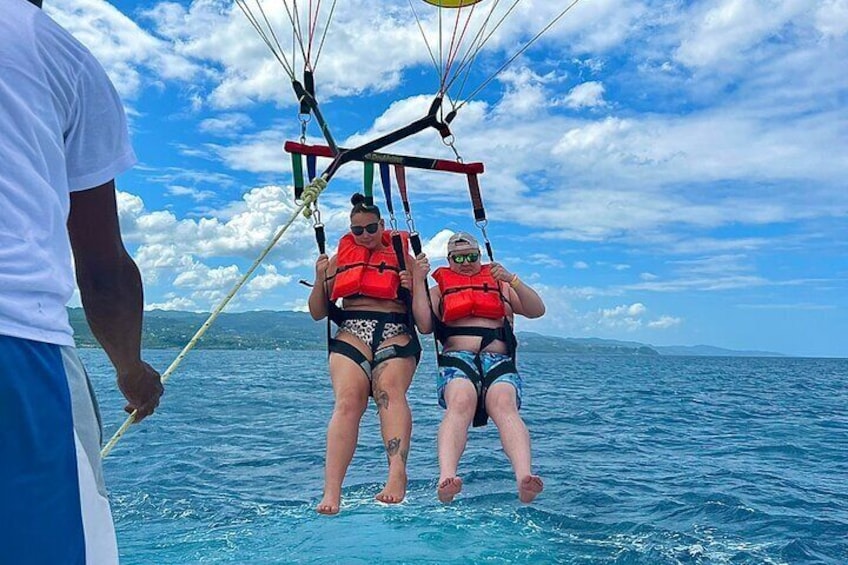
<point x="666" y="172"/>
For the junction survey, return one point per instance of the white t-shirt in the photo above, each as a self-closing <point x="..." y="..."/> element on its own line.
<point x="62" y="129"/>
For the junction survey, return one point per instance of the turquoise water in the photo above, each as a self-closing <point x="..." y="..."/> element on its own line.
<point x="645" y="461"/>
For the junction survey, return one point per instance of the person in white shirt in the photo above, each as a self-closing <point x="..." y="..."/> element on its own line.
<point x="63" y="140"/>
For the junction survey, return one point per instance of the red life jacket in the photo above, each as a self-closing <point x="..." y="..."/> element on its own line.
<point x="361" y="272"/>
<point x="464" y="296"/>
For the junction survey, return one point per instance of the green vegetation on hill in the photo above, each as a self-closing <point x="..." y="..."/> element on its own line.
<point x="242" y="330"/>
<point x="265" y="329"/>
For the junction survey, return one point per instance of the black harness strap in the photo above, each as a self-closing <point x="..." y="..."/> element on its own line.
<point x="411" y="349"/>
<point x="481" y="379"/>
<point x="352" y="353"/>
<point x="338" y="316"/>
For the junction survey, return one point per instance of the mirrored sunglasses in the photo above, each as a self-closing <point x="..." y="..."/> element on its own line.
<point x="466" y="258"/>
<point x="370" y="228"/>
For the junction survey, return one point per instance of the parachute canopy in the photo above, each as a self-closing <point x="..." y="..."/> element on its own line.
<point x="452" y="3"/>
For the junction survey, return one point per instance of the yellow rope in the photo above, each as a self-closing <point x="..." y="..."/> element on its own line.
<point x="310" y="195"/>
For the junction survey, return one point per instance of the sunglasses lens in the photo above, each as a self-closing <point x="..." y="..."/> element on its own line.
<point x="359" y="230"/>
<point x="467" y="258"/>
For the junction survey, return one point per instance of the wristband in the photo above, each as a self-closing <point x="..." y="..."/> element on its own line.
<point x="515" y="282"/>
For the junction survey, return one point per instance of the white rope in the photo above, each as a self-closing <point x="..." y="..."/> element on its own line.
<point x="310" y="194"/>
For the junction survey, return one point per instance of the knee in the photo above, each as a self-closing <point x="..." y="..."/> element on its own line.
<point x="350" y="407"/>
<point x="395" y="391"/>
<point x="501" y="401"/>
<point x="463" y="403"/>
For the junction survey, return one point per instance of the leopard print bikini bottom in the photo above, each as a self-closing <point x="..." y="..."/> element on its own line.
<point x="366" y="330"/>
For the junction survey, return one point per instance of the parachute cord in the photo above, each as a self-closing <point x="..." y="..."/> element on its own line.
<point x="277" y="51"/>
<point x="441" y="58"/>
<point x="310" y="28"/>
<point x="456" y="44"/>
<point x="519" y="52"/>
<point x="482" y="38"/>
<point x="310" y="194"/>
<point x="324" y="34"/>
<point x="294" y="18"/>
<point x="426" y="42"/>
<point x="470" y="56"/>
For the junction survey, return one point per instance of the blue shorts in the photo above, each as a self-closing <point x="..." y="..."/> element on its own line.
<point x="489" y="360"/>
<point x="53" y="503"/>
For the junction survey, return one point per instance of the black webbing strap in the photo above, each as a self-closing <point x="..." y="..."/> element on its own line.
<point x="352" y="353"/>
<point x="400" y="177"/>
<point x="481" y="416"/>
<point x="411" y="349"/>
<point x="479" y="210"/>
<point x="481" y="380"/>
<point x="339" y="315"/>
<point x="320" y="238"/>
<point x="403" y="293"/>
<point x="309" y="87"/>
<point x="386" y="181"/>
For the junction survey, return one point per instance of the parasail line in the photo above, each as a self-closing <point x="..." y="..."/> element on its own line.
<point x="324" y="34"/>
<point x="519" y="52"/>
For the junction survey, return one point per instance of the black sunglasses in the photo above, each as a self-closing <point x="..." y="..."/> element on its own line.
<point x="370" y="228"/>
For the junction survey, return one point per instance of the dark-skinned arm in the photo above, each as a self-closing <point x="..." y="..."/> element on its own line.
<point x="112" y="295"/>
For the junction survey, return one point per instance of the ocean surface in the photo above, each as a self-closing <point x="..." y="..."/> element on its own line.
<point x="646" y="460"/>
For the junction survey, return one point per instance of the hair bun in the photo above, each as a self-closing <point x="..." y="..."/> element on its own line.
<point x="357" y="198"/>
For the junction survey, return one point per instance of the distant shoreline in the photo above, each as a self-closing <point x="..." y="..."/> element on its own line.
<point x="296" y="331"/>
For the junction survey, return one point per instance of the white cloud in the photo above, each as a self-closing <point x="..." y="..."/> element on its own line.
<point x="832" y="18"/>
<point x="664" y="322"/>
<point x="173" y="302"/>
<point x="268" y="280"/>
<point x="722" y="31"/>
<point x="436" y="248"/>
<point x="633" y="310"/>
<point x="193" y="193"/>
<point x="585" y="95"/>
<point x="124" y="49"/>
<point x="180" y="253"/>
<point x="226" y="124"/>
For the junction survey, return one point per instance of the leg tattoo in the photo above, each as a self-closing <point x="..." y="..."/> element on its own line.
<point x="381" y="399"/>
<point x="392" y="447"/>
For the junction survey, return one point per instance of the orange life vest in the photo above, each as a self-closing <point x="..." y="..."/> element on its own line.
<point x="362" y="272"/>
<point x="464" y="296"/>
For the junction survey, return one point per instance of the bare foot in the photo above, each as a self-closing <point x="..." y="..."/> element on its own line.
<point x="448" y="489"/>
<point x="395" y="489"/>
<point x="329" y="505"/>
<point x="529" y="488"/>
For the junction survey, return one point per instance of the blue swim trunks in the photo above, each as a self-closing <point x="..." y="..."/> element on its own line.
<point x="51" y="479"/>
<point x="489" y="361"/>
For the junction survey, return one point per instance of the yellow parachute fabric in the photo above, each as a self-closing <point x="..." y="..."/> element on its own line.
<point x="452" y="3"/>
